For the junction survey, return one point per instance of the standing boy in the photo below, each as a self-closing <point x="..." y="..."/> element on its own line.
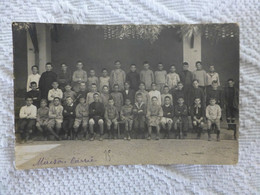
<point x="92" y="79"/>
<point x="28" y="118"/>
<point x="133" y="78"/>
<point x="118" y="76"/>
<point x="166" y="93"/>
<point x="178" y="93"/>
<point x="68" y="93"/>
<point x="144" y="93"/>
<point x="81" y="93"/>
<point x="127" y="117"/>
<point x="104" y="80"/>
<point x="90" y="97"/>
<point x="186" y="77"/>
<point x="69" y="118"/>
<point x="213" y="114"/>
<point x="104" y="95"/>
<point x="64" y="76"/>
<point x="117" y="97"/>
<point x="172" y="78"/>
<point x="201" y="75"/>
<point x="111" y="117"/>
<point x="160" y="77"/>
<point x="79" y="76"/>
<point x="147" y="76"/>
<point x="155" y="93"/>
<point x="35" y="94"/>
<point x="212" y="75"/>
<point x="196" y="92"/>
<point x="168" y="114"/>
<point x="214" y="92"/>
<point x="34" y="77"/>
<point x="55" y="92"/>
<point x="128" y="93"/>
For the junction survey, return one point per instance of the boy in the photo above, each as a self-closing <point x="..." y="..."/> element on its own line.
<point x="96" y="115"/>
<point x="35" y="94"/>
<point x="147" y="76"/>
<point x="186" y="77"/>
<point x="43" y="118"/>
<point x="34" y="77"/>
<point x="177" y="93"/>
<point x="213" y="115"/>
<point x="212" y="76"/>
<point x="54" y="92"/>
<point x="172" y="78"/>
<point x="154" y="115"/>
<point x="104" y="95"/>
<point x="81" y="118"/>
<point x="68" y="93"/>
<point x="155" y="93"/>
<point x="127" y="117"/>
<point x="231" y="103"/>
<point x="27" y="119"/>
<point x="197" y="116"/>
<point x="117" y="97"/>
<point x="144" y="93"/>
<point x="166" y="93"/>
<point x="128" y="93"/>
<point x="118" y="76"/>
<point x="104" y="79"/>
<point x="69" y="118"/>
<point x="160" y="77"/>
<point x="79" y="76"/>
<point x="214" y="92"/>
<point x="90" y="97"/>
<point x="111" y="117"/>
<point x="139" y="113"/>
<point x="46" y="80"/>
<point x="82" y="92"/>
<point x="196" y="92"/>
<point x="64" y="76"/>
<point x="181" y="119"/>
<point x="201" y="75"/>
<point x="133" y="78"/>
<point x="55" y="118"/>
<point x="92" y="79"/>
<point x="168" y="114"/>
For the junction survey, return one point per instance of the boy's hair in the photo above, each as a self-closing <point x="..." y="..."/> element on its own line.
<point x="91" y="69"/>
<point x="127" y="82"/>
<point x="117" y="61"/>
<point x="197" y="98"/>
<point x="198" y="62"/>
<point x="154" y="97"/>
<point x="55" y="82"/>
<point x="103" y="69"/>
<point x="115" y="85"/>
<point x="173" y="65"/>
<point x="110" y="99"/>
<point x="185" y="63"/>
<point x="68" y="97"/>
<point x="139" y="94"/>
<point x="141" y="83"/>
<point x="93" y="84"/>
<point x="167" y="97"/>
<point x="28" y="97"/>
<point x="160" y="63"/>
<point x="82" y="83"/>
<point x="104" y="86"/>
<point x="179" y="83"/>
<point x="56" y="98"/>
<point x="48" y="63"/>
<point x="153" y="83"/>
<point x="195" y="80"/>
<point x="165" y="86"/>
<point x="127" y="99"/>
<point x="211" y="65"/>
<point x="63" y="64"/>
<point x="214" y="82"/>
<point x="67" y="85"/>
<point x="81" y="97"/>
<point x="33" y="83"/>
<point x="35" y="66"/>
<point x="145" y="62"/>
<point x="44" y="100"/>
<point x="132" y="65"/>
<point x="212" y="98"/>
<point x="96" y="94"/>
<point x="230" y="80"/>
<point x="79" y="61"/>
<point x="180" y="98"/>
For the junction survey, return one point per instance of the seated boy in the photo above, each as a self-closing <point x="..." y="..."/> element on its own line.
<point x="69" y="118"/>
<point x="118" y="97"/>
<point x="155" y="93"/>
<point x="214" y="92"/>
<point x="96" y="115"/>
<point x="154" y="115"/>
<point x="213" y="114"/>
<point x="92" y="79"/>
<point x="127" y="117"/>
<point x="55" y="118"/>
<point x="181" y="119"/>
<point x="35" y="94"/>
<point x="55" y="92"/>
<point x="81" y="93"/>
<point x="111" y="117"/>
<point x="79" y="76"/>
<point x="43" y="118"/>
<point x="139" y="113"/>
<point x="197" y="116"/>
<point x="27" y="119"/>
<point x="104" y="95"/>
<point x="166" y="93"/>
<point x="160" y="77"/>
<point x="168" y="114"/>
<point x="177" y="93"/>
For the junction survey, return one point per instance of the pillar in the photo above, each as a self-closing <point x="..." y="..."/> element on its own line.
<point x="30" y="54"/>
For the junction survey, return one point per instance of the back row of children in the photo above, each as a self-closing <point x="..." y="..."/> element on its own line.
<point x="176" y="88"/>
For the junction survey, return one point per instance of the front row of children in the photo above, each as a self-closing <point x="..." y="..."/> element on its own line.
<point x="70" y="117"/>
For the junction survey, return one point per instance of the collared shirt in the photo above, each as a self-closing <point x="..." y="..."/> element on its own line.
<point x="213" y="112"/>
<point x="165" y="95"/>
<point x="42" y="113"/>
<point x="172" y="80"/>
<point x="139" y="110"/>
<point x="154" y="110"/>
<point x="111" y="112"/>
<point x="28" y="112"/>
<point x="145" y="96"/>
<point x="56" y="112"/>
<point x="168" y="111"/>
<point x="157" y="94"/>
<point x="147" y="77"/>
<point x="80" y="76"/>
<point x="103" y="81"/>
<point x="90" y="97"/>
<point x="212" y="76"/>
<point x="201" y="76"/>
<point x="181" y="110"/>
<point x="160" y="76"/>
<point x="127" y="111"/>
<point x="197" y="111"/>
<point x="118" y="76"/>
<point x="70" y="93"/>
<point x="32" y="78"/>
<point x="81" y="110"/>
<point x="55" y="93"/>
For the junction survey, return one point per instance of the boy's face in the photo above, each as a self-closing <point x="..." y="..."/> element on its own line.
<point x="133" y="68"/>
<point x="172" y="69"/>
<point x="212" y="102"/>
<point x="146" y="66"/>
<point x="82" y="100"/>
<point x="29" y="101"/>
<point x="111" y="102"/>
<point x="154" y="87"/>
<point x="92" y="73"/>
<point x="211" y="68"/>
<point x="139" y="98"/>
<point x="195" y="84"/>
<point x="199" y="66"/>
<point x="231" y="83"/>
<point x="160" y="67"/>
<point x="127" y="85"/>
<point x="34" y="87"/>
<point x="197" y="101"/>
<point x="118" y="65"/>
<point x="104" y="73"/>
<point x="142" y="87"/>
<point x="96" y="98"/>
<point x="43" y="104"/>
<point x="48" y="67"/>
<point x="94" y="88"/>
<point x="179" y="86"/>
<point x="55" y="85"/>
<point x="67" y="87"/>
<point x="64" y="67"/>
<point x="127" y="102"/>
<point x="185" y="67"/>
<point x="79" y="65"/>
<point x="116" y="88"/>
<point x="167" y="101"/>
<point x="180" y="101"/>
<point x="69" y="101"/>
<point x="56" y="102"/>
<point x="166" y="90"/>
<point x="34" y="70"/>
<point x="154" y="101"/>
<point x="82" y="87"/>
<point x="105" y="89"/>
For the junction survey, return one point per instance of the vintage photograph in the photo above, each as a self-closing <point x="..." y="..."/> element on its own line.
<point x="88" y="95"/>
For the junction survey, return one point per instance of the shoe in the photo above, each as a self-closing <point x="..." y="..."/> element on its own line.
<point x="128" y="138"/>
<point x="149" y="137"/>
<point x="76" y="138"/>
<point x="209" y="138"/>
<point x="125" y="138"/>
<point x="101" y="138"/>
<point x="83" y="138"/>
<point x="218" y="139"/>
<point x="114" y="137"/>
<point x="157" y="137"/>
<point x="91" y="139"/>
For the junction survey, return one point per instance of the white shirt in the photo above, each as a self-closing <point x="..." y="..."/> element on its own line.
<point x="213" y="112"/>
<point x="157" y="94"/>
<point x="55" y="93"/>
<point x="172" y="80"/>
<point x="28" y="112"/>
<point x="32" y="78"/>
<point x="212" y="77"/>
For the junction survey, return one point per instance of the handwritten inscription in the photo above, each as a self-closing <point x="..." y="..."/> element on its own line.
<point x="107" y="155"/>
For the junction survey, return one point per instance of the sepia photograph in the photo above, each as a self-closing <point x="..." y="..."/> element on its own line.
<point x="90" y="95"/>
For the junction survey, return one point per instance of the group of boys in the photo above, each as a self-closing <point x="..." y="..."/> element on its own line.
<point x="140" y="101"/>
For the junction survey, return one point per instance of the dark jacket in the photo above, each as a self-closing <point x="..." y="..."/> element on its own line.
<point x="134" y="79"/>
<point x="69" y="111"/>
<point x="36" y="96"/>
<point x="168" y="112"/>
<point x="96" y="109"/>
<point x="198" y="112"/>
<point x="217" y="94"/>
<point x="186" y="78"/>
<point x="45" y="82"/>
<point x="176" y="94"/>
<point x="231" y="97"/>
<point x="130" y="95"/>
<point x="196" y="93"/>
<point x="181" y="111"/>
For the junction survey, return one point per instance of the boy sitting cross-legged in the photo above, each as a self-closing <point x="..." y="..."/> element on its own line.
<point x="111" y="117"/>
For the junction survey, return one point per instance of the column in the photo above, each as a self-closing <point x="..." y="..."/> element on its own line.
<point x="30" y="54"/>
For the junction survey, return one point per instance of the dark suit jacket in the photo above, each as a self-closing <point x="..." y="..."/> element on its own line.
<point x="130" y="95"/>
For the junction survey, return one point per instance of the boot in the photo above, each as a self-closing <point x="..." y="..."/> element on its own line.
<point x="209" y="137"/>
